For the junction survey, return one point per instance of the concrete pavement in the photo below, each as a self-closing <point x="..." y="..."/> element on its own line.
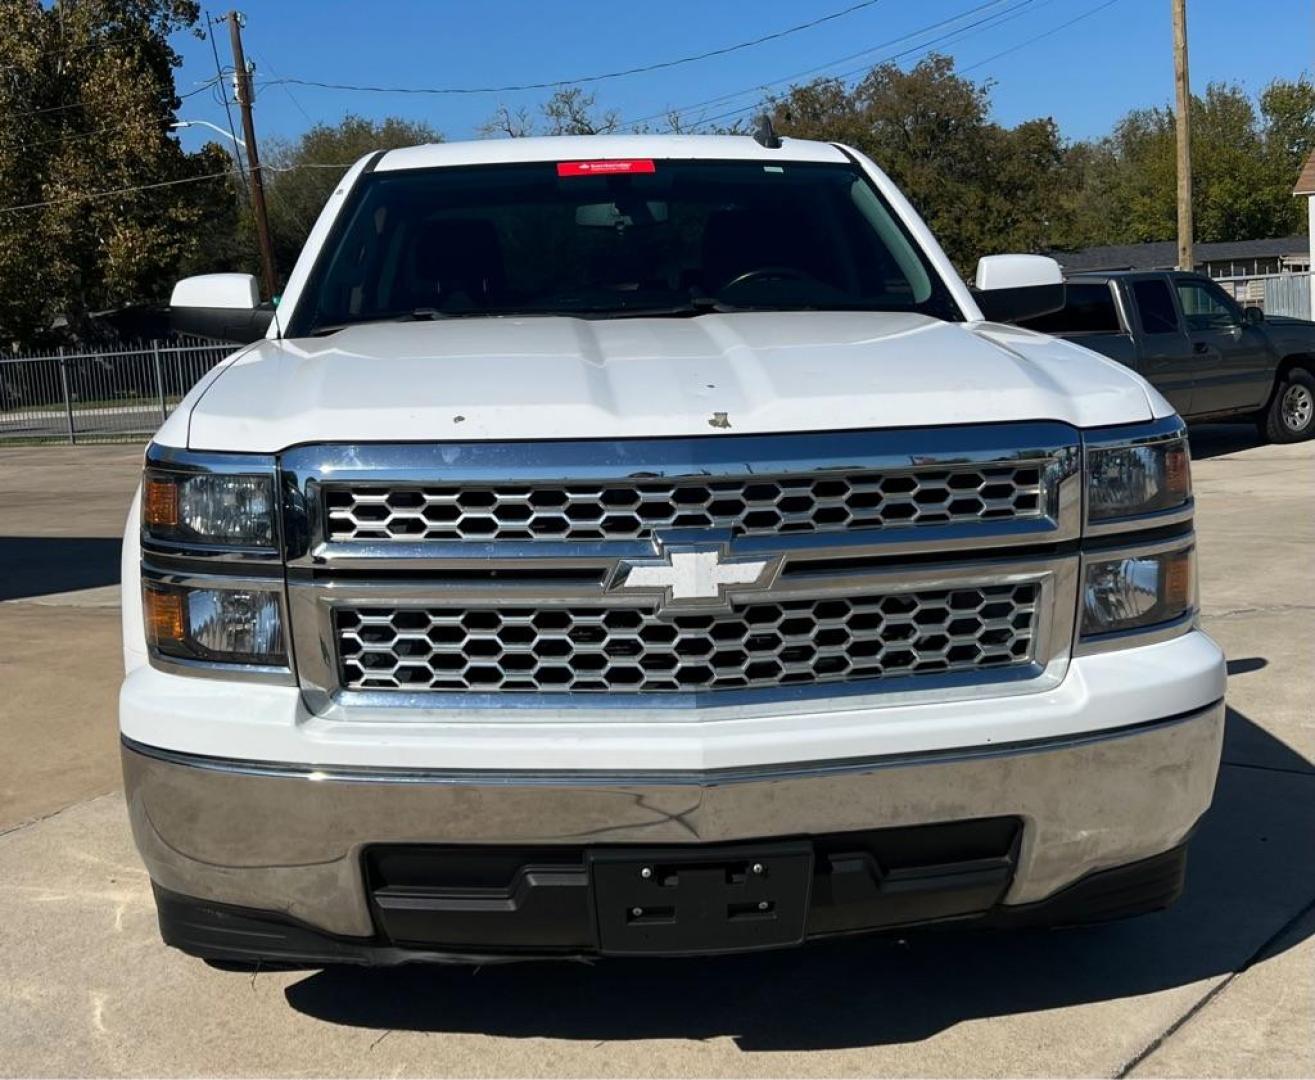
<point x="60" y="522"/>
<point x="1223" y="984"/>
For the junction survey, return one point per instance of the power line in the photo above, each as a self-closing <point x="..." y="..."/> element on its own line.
<point x="1000" y="17"/>
<point x="63" y="54"/>
<point x="115" y="191"/>
<point x="996" y="19"/>
<point x="83" y="104"/>
<point x="1054" y="30"/>
<point x="260" y="59"/>
<point x="557" y="83"/>
<point x="759" y="87"/>
<point x="88" y="195"/>
<point x="77" y="135"/>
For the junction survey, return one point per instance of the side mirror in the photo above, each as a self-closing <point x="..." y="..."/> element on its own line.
<point x="223" y="306"/>
<point x="1253" y="316"/>
<point x="1009" y="288"/>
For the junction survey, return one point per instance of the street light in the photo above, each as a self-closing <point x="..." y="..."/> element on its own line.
<point x="212" y="127"/>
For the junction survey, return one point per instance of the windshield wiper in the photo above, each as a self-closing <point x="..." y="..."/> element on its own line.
<point x="692" y="307"/>
<point x="695" y="305"/>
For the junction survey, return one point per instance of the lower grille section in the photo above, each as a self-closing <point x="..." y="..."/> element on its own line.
<point x="596" y="648"/>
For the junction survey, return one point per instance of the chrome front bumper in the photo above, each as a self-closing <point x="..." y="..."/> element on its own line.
<point x="289" y="839"/>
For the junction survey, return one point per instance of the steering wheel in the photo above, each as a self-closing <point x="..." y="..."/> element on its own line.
<point x="767" y="273"/>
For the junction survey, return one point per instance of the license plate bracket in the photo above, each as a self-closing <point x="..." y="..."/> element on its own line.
<point x="680" y="901"/>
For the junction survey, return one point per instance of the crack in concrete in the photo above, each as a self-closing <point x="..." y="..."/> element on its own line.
<point x="1274" y="609"/>
<point x="1246" y="965"/>
<point x="27" y="823"/>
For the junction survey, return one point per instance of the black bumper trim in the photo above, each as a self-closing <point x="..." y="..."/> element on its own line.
<point x="223" y="933"/>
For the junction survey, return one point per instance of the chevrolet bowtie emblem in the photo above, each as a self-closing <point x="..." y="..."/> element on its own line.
<point x="694" y="579"/>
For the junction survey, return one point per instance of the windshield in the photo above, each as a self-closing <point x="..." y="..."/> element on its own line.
<point x="651" y="238"/>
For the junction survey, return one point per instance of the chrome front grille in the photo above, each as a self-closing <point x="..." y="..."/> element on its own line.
<point x="759" y="645"/>
<point x="636" y="510"/>
<point x="505" y="576"/>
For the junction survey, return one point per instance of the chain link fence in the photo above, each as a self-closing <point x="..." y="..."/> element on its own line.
<point x="119" y="395"/>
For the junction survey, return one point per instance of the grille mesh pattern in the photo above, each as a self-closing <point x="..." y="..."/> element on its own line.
<point x="760" y="645"/>
<point x="624" y="510"/>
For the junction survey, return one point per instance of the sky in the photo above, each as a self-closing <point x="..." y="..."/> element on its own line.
<point x="1091" y="60"/>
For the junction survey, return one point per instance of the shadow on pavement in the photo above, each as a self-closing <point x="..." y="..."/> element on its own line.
<point x="1216" y="440"/>
<point x="1245" y="665"/>
<point x="1249" y="870"/>
<point x="43" y="565"/>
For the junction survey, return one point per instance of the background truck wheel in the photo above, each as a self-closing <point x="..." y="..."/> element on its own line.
<point x="1291" y="413"/>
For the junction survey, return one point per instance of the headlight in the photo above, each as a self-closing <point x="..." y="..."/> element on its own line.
<point x="234" y="626"/>
<point x="1131" y="592"/>
<point x="226" y="509"/>
<point x="1125" y="481"/>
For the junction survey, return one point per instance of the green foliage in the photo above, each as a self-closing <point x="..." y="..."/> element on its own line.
<point x="298" y="183"/>
<point x="1245" y="159"/>
<point x="982" y="187"/>
<point x="86" y="99"/>
<point x="987" y="188"/>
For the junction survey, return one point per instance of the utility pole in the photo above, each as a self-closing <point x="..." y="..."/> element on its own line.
<point x="243" y="90"/>
<point x="1183" y="125"/>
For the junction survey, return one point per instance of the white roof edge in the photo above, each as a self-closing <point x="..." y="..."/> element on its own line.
<point x="595" y="147"/>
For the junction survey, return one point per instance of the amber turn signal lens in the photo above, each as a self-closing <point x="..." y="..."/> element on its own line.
<point x="160" y="503"/>
<point x="164" y="616"/>
<point x="1178" y="587"/>
<point x="1178" y="471"/>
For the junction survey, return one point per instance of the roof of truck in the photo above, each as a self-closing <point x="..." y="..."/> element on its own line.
<point x="1103" y="275"/>
<point x="605" y="148"/>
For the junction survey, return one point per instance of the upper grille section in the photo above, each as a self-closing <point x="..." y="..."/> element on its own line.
<point x="760" y="645"/>
<point x="636" y="510"/>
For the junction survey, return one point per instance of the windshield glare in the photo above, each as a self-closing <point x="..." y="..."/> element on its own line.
<point x="686" y="237"/>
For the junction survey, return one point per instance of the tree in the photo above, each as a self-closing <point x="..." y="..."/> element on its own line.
<point x="1288" y="108"/>
<point x="508" y="123"/>
<point x="1245" y="158"/>
<point x="86" y="102"/>
<point x="982" y="187"/>
<point x="301" y="175"/>
<point x="570" y="111"/>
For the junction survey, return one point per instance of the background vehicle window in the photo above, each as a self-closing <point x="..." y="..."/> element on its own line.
<point x="1088" y="309"/>
<point x="1206" y="306"/>
<point x="1155" y="306"/>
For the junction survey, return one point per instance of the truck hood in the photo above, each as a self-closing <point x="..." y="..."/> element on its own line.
<point x="552" y="378"/>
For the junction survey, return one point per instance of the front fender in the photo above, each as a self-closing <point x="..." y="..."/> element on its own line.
<point x="130" y="587"/>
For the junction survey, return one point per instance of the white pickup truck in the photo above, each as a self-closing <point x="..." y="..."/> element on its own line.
<point x="644" y="545"/>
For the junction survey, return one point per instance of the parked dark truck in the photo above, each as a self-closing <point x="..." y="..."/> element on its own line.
<point x="1211" y="357"/>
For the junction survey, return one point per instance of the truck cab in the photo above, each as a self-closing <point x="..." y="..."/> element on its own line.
<point x="1210" y="357"/>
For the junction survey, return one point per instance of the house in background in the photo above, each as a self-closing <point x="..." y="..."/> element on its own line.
<point x="1306" y="189"/>
<point x="1244" y="268"/>
<point x="1227" y="259"/>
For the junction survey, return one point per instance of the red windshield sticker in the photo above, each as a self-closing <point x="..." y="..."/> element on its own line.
<point x="604" y="168"/>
